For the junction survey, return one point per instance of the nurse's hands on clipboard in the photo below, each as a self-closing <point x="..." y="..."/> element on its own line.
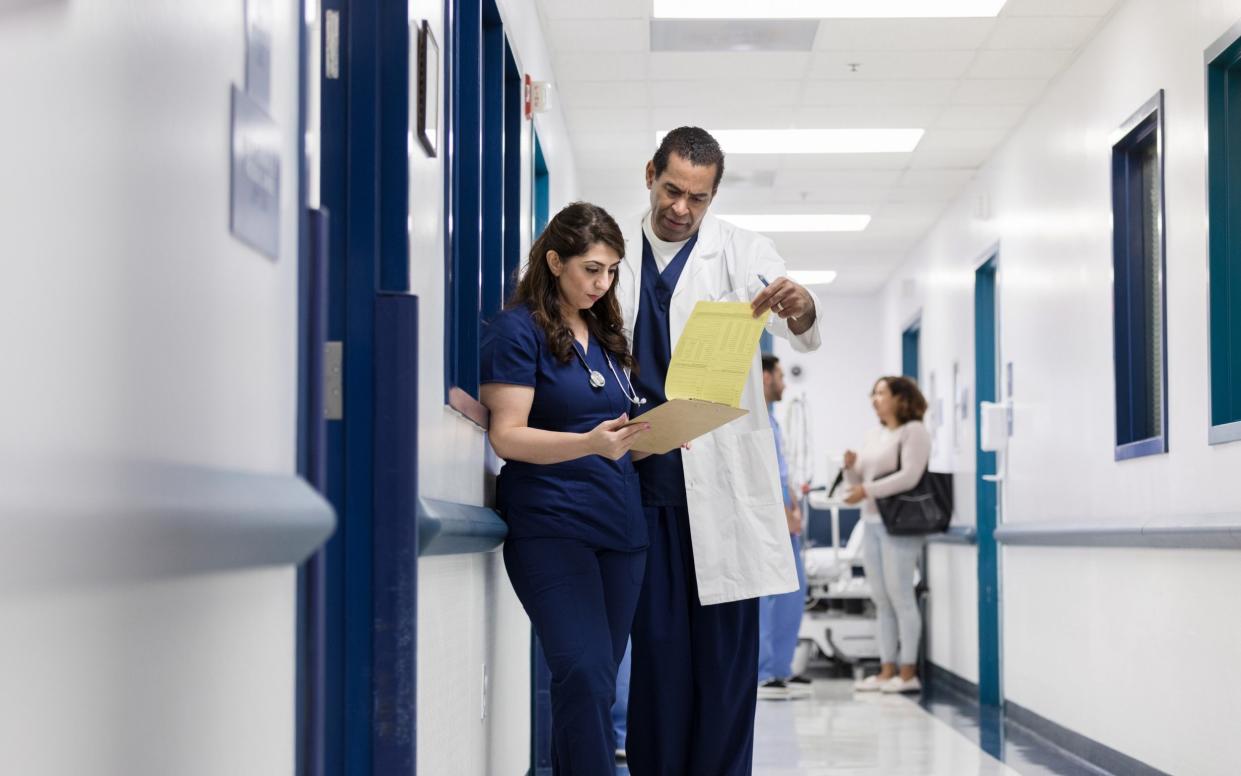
<point x="611" y="439"/>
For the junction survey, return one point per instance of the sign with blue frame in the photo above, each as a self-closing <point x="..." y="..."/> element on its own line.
<point x="255" y="213"/>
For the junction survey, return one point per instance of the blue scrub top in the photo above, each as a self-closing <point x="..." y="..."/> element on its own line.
<point x="663" y="476"/>
<point x="592" y="499"/>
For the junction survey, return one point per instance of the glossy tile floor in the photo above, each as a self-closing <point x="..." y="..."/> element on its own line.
<point x="839" y="733"/>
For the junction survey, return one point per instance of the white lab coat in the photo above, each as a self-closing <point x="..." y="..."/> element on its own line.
<point x="732" y="484"/>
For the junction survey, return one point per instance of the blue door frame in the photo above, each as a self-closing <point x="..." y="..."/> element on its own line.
<point x="986" y="376"/>
<point x="540" y="674"/>
<point x="369" y="568"/>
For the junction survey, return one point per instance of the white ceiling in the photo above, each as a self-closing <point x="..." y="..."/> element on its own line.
<point x="968" y="82"/>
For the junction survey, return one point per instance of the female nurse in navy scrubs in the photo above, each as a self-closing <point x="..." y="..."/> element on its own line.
<point x="553" y="376"/>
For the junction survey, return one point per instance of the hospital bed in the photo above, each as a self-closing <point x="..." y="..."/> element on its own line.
<point x="839" y="622"/>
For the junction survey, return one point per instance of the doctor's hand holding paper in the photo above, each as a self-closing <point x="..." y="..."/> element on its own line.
<point x="719" y="537"/>
<point x="787" y="299"/>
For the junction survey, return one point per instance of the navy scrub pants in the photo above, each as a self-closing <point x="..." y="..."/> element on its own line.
<point x="695" y="668"/>
<point x="580" y="600"/>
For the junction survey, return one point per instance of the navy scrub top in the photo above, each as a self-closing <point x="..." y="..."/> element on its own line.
<point x="592" y="498"/>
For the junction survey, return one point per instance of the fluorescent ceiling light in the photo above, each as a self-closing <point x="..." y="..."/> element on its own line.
<point x="800" y="223"/>
<point x="814" y="141"/>
<point x="813" y="277"/>
<point x="825" y="9"/>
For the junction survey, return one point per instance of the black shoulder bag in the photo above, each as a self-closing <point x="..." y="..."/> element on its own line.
<point x="924" y="509"/>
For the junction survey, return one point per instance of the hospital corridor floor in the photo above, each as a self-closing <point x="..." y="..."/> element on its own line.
<point x="837" y="732"/>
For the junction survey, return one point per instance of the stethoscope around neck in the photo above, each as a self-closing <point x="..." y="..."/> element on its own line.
<point x="597" y="380"/>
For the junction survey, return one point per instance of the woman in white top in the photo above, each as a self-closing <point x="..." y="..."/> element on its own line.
<point x="892" y="461"/>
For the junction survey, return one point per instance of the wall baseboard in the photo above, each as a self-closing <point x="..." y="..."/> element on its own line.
<point x="1093" y="752"/>
<point x="1068" y="741"/>
<point x="953" y="681"/>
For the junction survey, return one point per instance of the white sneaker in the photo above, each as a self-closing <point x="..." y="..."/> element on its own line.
<point x="871" y="683"/>
<point x="899" y="685"/>
<point x="773" y="690"/>
<point x="798" y="691"/>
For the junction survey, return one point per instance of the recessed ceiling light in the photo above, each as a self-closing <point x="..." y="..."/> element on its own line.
<point x="825" y="9"/>
<point x="800" y="222"/>
<point x="814" y="141"/>
<point x="813" y="277"/>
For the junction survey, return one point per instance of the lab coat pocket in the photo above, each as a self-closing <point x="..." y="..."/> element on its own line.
<point x="751" y="467"/>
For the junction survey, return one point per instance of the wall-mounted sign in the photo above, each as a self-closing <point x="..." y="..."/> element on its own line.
<point x="255" y="213"/>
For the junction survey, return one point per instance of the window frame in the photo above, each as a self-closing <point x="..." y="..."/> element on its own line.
<point x="1222" y="70"/>
<point x="1146" y="125"/>
<point x="481" y="239"/>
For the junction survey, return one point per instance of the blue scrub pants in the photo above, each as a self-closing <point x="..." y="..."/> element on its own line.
<point x="779" y="622"/>
<point x="620" y="709"/>
<point x="695" y="668"/>
<point x="581" y="601"/>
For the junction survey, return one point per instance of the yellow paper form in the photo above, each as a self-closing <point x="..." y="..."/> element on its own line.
<point x="714" y="354"/>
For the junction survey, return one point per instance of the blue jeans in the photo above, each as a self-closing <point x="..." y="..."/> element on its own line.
<point x="779" y="620"/>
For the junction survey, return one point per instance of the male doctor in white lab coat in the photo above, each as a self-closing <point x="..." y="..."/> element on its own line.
<point x="714" y="512"/>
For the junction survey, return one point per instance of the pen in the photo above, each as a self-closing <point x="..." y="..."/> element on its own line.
<point x="766" y="282"/>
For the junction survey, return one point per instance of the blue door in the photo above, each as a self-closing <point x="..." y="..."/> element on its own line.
<point x="986" y="371"/>
<point x="369" y="572"/>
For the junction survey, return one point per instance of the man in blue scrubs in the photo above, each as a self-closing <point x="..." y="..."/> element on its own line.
<point x="715" y="520"/>
<point x="779" y="616"/>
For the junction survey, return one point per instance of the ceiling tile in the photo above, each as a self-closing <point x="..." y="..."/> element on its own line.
<point x="685" y="66"/>
<point x="750" y="94"/>
<point x="722" y="116"/>
<point x="602" y="66"/>
<point x="1052" y="32"/>
<point x="960" y="140"/>
<point x="980" y="117"/>
<point x="902" y="34"/>
<point x="878" y="92"/>
<point x="1005" y="91"/>
<point x="603" y="144"/>
<point x="1015" y="63"/>
<point x="604" y="94"/>
<point x="599" y="35"/>
<point x="595" y="9"/>
<point x="923" y="160"/>
<point x="889" y="65"/>
<point x="590" y="120"/>
<point x="855" y="116"/>
<point x="940" y="178"/>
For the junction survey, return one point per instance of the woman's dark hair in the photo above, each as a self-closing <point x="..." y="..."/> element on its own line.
<point x="910" y="403"/>
<point x="571" y="233"/>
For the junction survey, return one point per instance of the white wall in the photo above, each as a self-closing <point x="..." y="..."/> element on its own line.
<point x="469" y="619"/>
<point x="1130" y="647"/>
<point x="836" y="379"/>
<point x="135" y="327"/>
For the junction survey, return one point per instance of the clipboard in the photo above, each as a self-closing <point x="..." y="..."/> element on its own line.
<point x="706" y="377"/>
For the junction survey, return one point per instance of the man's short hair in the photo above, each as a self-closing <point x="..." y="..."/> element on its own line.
<point x="693" y="144"/>
<point x="769" y="362"/>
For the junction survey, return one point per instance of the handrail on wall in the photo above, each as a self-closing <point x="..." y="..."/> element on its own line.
<point x="449" y="528"/>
